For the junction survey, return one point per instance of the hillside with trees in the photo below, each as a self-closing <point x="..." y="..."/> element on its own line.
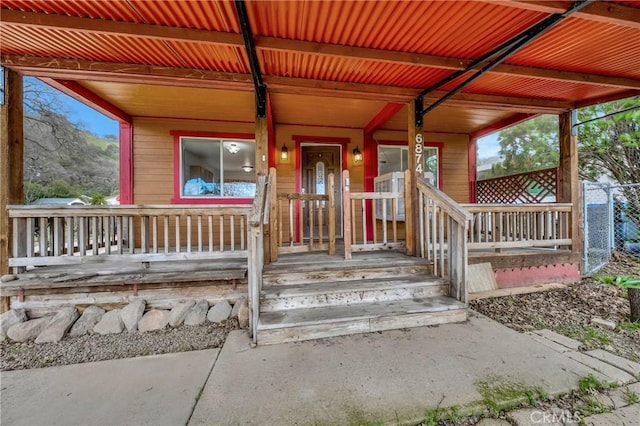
<point x="61" y="159"/>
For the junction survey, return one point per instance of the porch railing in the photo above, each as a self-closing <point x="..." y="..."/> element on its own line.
<point x="258" y="223"/>
<point x="81" y="234"/>
<point x="509" y="226"/>
<point x="302" y="222"/>
<point x="442" y="236"/>
<point x="375" y="231"/>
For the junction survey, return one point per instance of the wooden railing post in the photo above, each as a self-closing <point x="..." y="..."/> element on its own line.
<point x="346" y="213"/>
<point x="332" y="214"/>
<point x="274" y="222"/>
<point x="408" y="213"/>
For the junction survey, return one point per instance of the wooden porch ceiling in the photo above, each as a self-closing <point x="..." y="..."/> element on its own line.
<point x="304" y="52"/>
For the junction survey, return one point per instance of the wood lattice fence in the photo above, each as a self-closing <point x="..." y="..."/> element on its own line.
<point x="528" y="188"/>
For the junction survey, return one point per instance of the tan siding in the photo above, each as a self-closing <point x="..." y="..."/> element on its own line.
<point x="153" y="154"/>
<point x="455" y="160"/>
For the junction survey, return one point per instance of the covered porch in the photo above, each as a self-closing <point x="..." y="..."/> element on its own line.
<point x="319" y="149"/>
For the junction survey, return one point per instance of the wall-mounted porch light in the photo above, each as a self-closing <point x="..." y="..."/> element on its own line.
<point x="357" y="155"/>
<point x="284" y="153"/>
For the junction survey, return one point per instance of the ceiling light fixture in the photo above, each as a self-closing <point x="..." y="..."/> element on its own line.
<point x="247" y="168"/>
<point x="232" y="147"/>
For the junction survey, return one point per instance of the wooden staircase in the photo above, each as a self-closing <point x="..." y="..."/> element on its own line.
<point x="314" y="295"/>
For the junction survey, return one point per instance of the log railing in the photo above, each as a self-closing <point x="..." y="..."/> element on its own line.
<point x="500" y="226"/>
<point x="302" y="222"/>
<point x="377" y="230"/>
<point x="81" y="234"/>
<point x="442" y="236"/>
<point x="258" y="223"/>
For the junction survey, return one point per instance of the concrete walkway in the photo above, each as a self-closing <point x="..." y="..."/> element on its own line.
<point x="379" y="377"/>
<point x="151" y="390"/>
<point x="395" y="376"/>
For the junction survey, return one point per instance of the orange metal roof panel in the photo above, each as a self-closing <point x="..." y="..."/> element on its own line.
<point x="352" y="70"/>
<point x="219" y="15"/>
<point x="211" y="57"/>
<point x="115" y="10"/>
<point x="504" y="85"/>
<point x="585" y="46"/>
<point x="79" y="45"/>
<point x="448" y="28"/>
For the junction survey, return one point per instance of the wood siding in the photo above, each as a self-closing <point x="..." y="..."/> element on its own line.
<point x="455" y="159"/>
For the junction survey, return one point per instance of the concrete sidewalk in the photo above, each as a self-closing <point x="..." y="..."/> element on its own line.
<point x="151" y="390"/>
<point x="379" y="377"/>
<point x="395" y="376"/>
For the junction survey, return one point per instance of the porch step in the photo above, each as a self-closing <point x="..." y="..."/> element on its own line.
<point x="313" y="323"/>
<point x="345" y="271"/>
<point x="318" y="294"/>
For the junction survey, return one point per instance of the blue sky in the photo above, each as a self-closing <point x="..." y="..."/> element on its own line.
<point x="90" y="119"/>
<point x="488" y="146"/>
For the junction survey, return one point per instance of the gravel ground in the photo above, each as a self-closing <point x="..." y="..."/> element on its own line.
<point x="94" y="347"/>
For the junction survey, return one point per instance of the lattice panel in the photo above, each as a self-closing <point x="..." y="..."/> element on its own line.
<point x="532" y="187"/>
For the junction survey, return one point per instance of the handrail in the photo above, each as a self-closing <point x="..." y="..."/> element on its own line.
<point x="451" y="207"/>
<point x="258" y="218"/>
<point x="442" y="228"/>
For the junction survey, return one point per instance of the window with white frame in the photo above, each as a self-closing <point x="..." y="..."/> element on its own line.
<point x="213" y="167"/>
<point x="395" y="158"/>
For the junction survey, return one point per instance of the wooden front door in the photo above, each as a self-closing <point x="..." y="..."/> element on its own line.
<point x="318" y="162"/>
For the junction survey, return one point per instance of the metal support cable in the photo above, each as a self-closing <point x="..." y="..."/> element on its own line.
<point x="503" y="52"/>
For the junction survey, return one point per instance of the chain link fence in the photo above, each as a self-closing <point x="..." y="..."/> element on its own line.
<point x="611" y="222"/>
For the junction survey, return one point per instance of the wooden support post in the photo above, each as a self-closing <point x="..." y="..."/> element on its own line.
<point x="274" y="221"/>
<point x="332" y="214"/>
<point x="346" y="213"/>
<point x="569" y="185"/>
<point x="416" y="165"/>
<point x="408" y="218"/>
<point x="11" y="165"/>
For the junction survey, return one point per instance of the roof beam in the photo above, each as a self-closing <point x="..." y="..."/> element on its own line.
<point x="599" y="11"/>
<point x="87" y="97"/>
<point x="501" y="124"/>
<point x="384" y="115"/>
<point x="130" y="29"/>
<point x="165" y="33"/>
<point x="74" y="69"/>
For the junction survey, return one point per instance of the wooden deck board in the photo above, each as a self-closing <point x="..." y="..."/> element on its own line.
<point x="334" y="314"/>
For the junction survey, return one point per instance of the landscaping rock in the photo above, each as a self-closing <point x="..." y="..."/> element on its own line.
<point x="219" y="312"/>
<point x="243" y="314"/>
<point x="236" y="308"/>
<point x="132" y="313"/>
<point x="493" y="422"/>
<point x="155" y="319"/>
<point x="28" y="330"/>
<point x="110" y="323"/>
<point x="198" y="313"/>
<point x="58" y="326"/>
<point x="603" y="323"/>
<point x="89" y="318"/>
<point x="179" y="313"/>
<point x="8" y="277"/>
<point x="9" y="319"/>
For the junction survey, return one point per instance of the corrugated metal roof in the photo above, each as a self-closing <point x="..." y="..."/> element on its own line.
<point x="211" y="57"/>
<point x="334" y="68"/>
<point x="504" y="85"/>
<point x="115" y="10"/>
<point x="449" y="28"/>
<point x="217" y="15"/>
<point x="585" y="46"/>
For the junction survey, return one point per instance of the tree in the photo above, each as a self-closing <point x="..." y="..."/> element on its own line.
<point x="528" y="146"/>
<point x="611" y="145"/>
<point x="59" y="151"/>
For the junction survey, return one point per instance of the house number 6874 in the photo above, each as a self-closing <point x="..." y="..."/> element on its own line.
<point x="418" y="152"/>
